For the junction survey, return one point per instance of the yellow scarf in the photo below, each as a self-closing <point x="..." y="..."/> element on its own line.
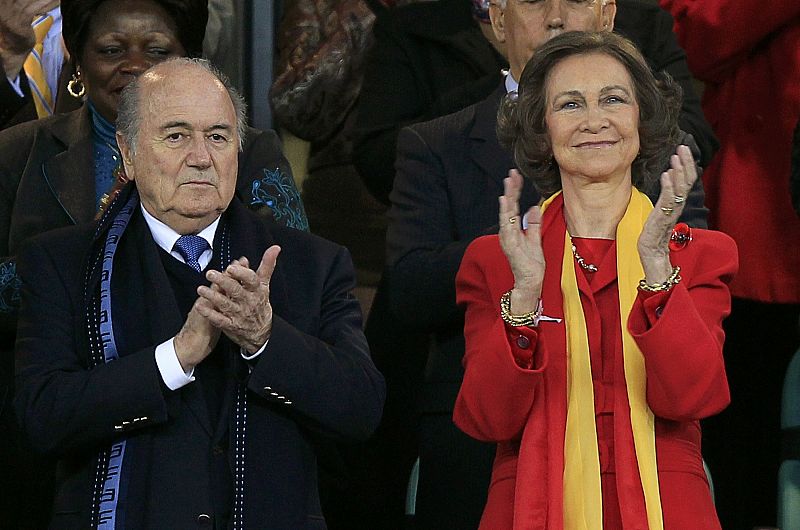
<point x="583" y="503"/>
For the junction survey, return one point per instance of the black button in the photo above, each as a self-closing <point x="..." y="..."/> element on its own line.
<point x="523" y="341"/>
<point x="217" y="450"/>
<point x="204" y="520"/>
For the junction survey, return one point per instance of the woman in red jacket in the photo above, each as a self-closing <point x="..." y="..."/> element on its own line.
<point x="594" y="338"/>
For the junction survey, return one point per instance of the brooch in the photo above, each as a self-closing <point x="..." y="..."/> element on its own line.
<point x="681" y="235"/>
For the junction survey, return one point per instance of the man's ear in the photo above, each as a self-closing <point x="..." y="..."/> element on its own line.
<point x="608" y="11"/>
<point x="497" y="16"/>
<point x="127" y="157"/>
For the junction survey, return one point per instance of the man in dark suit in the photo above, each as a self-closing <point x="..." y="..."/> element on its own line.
<point x="449" y="174"/>
<point x="178" y="385"/>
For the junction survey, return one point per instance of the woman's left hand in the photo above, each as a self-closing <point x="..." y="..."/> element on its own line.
<point x="654" y="239"/>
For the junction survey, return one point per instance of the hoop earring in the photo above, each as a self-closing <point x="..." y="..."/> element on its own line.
<point x="79" y="92"/>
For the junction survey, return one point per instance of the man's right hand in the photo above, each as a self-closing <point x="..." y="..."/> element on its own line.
<point x="196" y="339"/>
<point x="16" y="34"/>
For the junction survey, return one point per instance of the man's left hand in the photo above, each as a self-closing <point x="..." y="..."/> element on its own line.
<point x="239" y="300"/>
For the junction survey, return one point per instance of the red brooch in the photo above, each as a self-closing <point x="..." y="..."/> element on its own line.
<point x="681" y="235"/>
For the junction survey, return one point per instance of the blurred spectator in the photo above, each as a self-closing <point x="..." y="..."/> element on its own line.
<point x="429" y="59"/>
<point x="322" y="47"/>
<point x="748" y="54"/>
<point x="32" y="56"/>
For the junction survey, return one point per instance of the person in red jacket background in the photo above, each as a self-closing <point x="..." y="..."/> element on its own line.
<point x="748" y="54"/>
<point x="605" y="350"/>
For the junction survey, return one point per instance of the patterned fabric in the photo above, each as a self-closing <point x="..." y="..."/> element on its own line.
<point x="191" y="248"/>
<point x="9" y="287"/>
<point x="106" y="153"/>
<point x="277" y="191"/>
<point x="110" y="472"/>
<point x="34" y="69"/>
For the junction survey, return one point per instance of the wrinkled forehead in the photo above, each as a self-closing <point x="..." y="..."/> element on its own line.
<point x="189" y="92"/>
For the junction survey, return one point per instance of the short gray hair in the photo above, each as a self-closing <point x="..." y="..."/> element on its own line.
<point x="129" y="116"/>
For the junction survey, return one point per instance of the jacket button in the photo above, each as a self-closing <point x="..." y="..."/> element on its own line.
<point x="217" y="450"/>
<point x="523" y="341"/>
<point x="204" y="520"/>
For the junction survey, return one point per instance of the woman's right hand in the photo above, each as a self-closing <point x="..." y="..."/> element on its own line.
<point x="523" y="249"/>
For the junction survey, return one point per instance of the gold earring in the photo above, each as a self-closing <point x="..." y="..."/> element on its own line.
<point x="71" y="86"/>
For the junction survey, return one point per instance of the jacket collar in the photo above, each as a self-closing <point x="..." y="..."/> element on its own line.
<point x="486" y="151"/>
<point x="68" y="175"/>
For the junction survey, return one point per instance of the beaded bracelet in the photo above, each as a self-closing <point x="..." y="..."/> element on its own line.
<point x="530" y="319"/>
<point x="674" y="279"/>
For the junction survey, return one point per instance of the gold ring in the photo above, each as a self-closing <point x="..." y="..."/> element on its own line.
<point x="512" y="219"/>
<point x="667" y="210"/>
<point x="679" y="199"/>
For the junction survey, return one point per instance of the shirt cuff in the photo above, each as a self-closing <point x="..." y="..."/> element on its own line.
<point x="16" y="84"/>
<point x="170" y="367"/>
<point x="250" y="356"/>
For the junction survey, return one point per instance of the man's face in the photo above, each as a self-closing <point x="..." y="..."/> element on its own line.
<point x="524" y="25"/>
<point x="186" y="157"/>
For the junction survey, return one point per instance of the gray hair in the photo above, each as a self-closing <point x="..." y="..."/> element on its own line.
<point x="129" y="116"/>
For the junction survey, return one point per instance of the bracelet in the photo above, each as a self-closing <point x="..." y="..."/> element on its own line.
<point x="528" y="319"/>
<point x="669" y="283"/>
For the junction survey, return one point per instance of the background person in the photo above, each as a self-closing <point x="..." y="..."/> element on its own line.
<point x="592" y="387"/>
<point x="31" y="56"/>
<point x="752" y="99"/>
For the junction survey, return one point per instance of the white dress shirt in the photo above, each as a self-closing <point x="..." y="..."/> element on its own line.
<point x="511" y="84"/>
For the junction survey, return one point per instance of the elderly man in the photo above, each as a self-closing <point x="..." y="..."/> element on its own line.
<point x="449" y="174"/>
<point x="184" y="357"/>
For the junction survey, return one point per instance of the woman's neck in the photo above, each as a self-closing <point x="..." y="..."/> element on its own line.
<point x="594" y="209"/>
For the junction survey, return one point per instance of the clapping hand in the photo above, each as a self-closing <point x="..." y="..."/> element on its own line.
<point x="654" y="239"/>
<point x="237" y="302"/>
<point x="522" y="249"/>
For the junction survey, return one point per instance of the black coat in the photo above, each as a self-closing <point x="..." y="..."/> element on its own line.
<point x="313" y="382"/>
<point x="430" y="59"/>
<point x="47" y="182"/>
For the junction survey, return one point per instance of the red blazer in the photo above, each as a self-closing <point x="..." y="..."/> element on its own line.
<point x="514" y="388"/>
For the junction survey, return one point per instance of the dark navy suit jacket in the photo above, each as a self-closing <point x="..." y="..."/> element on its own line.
<point x="313" y="384"/>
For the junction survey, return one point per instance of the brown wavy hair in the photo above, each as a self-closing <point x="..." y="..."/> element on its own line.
<point x="521" y="126"/>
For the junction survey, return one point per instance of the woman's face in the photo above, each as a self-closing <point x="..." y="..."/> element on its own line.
<point x="592" y="117"/>
<point x="125" y="38"/>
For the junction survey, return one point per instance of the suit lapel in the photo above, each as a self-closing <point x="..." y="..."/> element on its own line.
<point x="486" y="152"/>
<point x="69" y="177"/>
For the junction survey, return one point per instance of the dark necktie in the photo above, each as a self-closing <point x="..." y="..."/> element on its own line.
<point x="191" y="248"/>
